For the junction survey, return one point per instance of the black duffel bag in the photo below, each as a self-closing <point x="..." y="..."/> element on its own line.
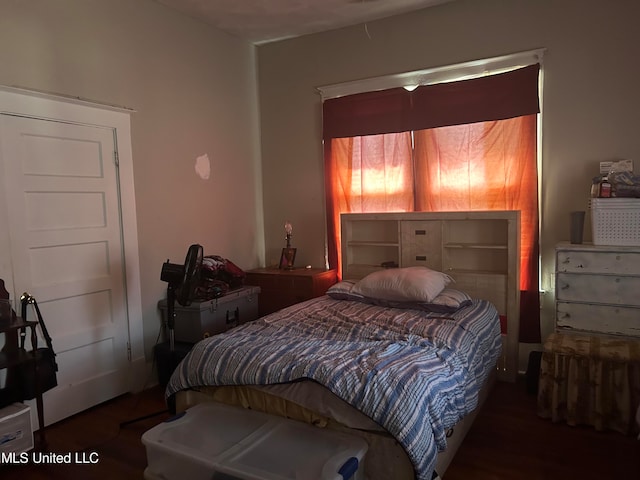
<point x="28" y="384"/>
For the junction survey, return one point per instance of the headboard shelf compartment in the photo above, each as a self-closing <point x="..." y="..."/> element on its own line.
<point x="375" y="243"/>
<point x="374" y="230"/>
<point x="479" y="249"/>
<point x="467" y="271"/>
<point x="372" y="241"/>
<point x="489" y="246"/>
<point x="481" y="260"/>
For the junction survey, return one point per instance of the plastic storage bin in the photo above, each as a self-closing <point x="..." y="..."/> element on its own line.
<point x="212" y="441"/>
<point x="15" y="428"/>
<point x="615" y="221"/>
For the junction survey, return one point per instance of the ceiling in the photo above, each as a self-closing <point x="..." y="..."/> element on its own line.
<point x="263" y="21"/>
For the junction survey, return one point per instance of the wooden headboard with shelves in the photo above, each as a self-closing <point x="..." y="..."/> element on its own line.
<point x="479" y="249"/>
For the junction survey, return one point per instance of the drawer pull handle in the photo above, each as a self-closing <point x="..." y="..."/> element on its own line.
<point x="421" y="258"/>
<point x="566" y="260"/>
<point x="565" y="286"/>
<point x="421" y="232"/>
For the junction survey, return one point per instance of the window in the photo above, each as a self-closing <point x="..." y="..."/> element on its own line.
<point x="467" y="145"/>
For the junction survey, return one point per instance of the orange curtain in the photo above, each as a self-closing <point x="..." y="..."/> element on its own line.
<point x="371" y="173"/>
<point x="487" y="166"/>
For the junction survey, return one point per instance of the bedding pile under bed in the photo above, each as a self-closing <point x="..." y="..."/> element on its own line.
<point x="415" y="373"/>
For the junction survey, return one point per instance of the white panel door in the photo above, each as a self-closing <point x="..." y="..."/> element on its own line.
<point x="61" y="187"/>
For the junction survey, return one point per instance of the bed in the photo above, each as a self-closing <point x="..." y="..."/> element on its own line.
<point x="406" y="371"/>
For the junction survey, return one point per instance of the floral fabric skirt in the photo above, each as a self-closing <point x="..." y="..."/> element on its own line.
<point x="591" y="380"/>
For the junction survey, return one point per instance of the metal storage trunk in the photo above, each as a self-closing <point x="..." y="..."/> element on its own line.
<point x="203" y="319"/>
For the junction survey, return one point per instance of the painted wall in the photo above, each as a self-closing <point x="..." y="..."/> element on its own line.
<point x="590" y="104"/>
<point x="194" y="92"/>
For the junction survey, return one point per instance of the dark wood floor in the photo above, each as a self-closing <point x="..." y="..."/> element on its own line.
<point x="507" y="441"/>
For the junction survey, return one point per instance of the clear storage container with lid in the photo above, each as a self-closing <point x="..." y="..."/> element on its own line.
<point x="216" y="441"/>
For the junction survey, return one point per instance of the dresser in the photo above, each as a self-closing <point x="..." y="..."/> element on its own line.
<point x="282" y="288"/>
<point x="598" y="289"/>
<point x="590" y="367"/>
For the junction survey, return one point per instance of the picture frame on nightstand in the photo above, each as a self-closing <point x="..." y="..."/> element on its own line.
<point x="287" y="258"/>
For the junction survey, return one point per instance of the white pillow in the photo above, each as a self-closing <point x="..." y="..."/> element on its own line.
<point x="409" y="284"/>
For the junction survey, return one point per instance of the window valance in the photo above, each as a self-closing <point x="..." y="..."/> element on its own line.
<point x="494" y="97"/>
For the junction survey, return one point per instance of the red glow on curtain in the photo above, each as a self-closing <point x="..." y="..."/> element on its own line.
<point x="487" y="166"/>
<point x="367" y="174"/>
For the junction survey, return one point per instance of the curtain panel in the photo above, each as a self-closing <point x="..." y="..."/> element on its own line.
<point x="487" y="166"/>
<point x="366" y="174"/>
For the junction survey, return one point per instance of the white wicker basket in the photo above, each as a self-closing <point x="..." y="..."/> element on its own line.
<point x="615" y="221"/>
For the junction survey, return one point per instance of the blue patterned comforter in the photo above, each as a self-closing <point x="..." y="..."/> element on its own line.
<point x="415" y="373"/>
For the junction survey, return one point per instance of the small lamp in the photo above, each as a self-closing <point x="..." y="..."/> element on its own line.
<point x="288" y="255"/>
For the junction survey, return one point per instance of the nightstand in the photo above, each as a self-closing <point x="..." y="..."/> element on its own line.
<point x="281" y="288"/>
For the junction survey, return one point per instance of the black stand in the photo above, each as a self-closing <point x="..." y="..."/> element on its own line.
<point x="166" y="361"/>
<point x="183" y="278"/>
<point x="144" y="417"/>
<point x="171" y="315"/>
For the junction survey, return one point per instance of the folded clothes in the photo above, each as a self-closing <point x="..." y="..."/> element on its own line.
<point x="625" y="184"/>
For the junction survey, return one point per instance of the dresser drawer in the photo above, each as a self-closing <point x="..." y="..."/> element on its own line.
<point x="616" y="263"/>
<point x="609" y="319"/>
<point x="421" y="243"/>
<point x="609" y="289"/>
<point x="293" y="285"/>
<point x="273" y="282"/>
